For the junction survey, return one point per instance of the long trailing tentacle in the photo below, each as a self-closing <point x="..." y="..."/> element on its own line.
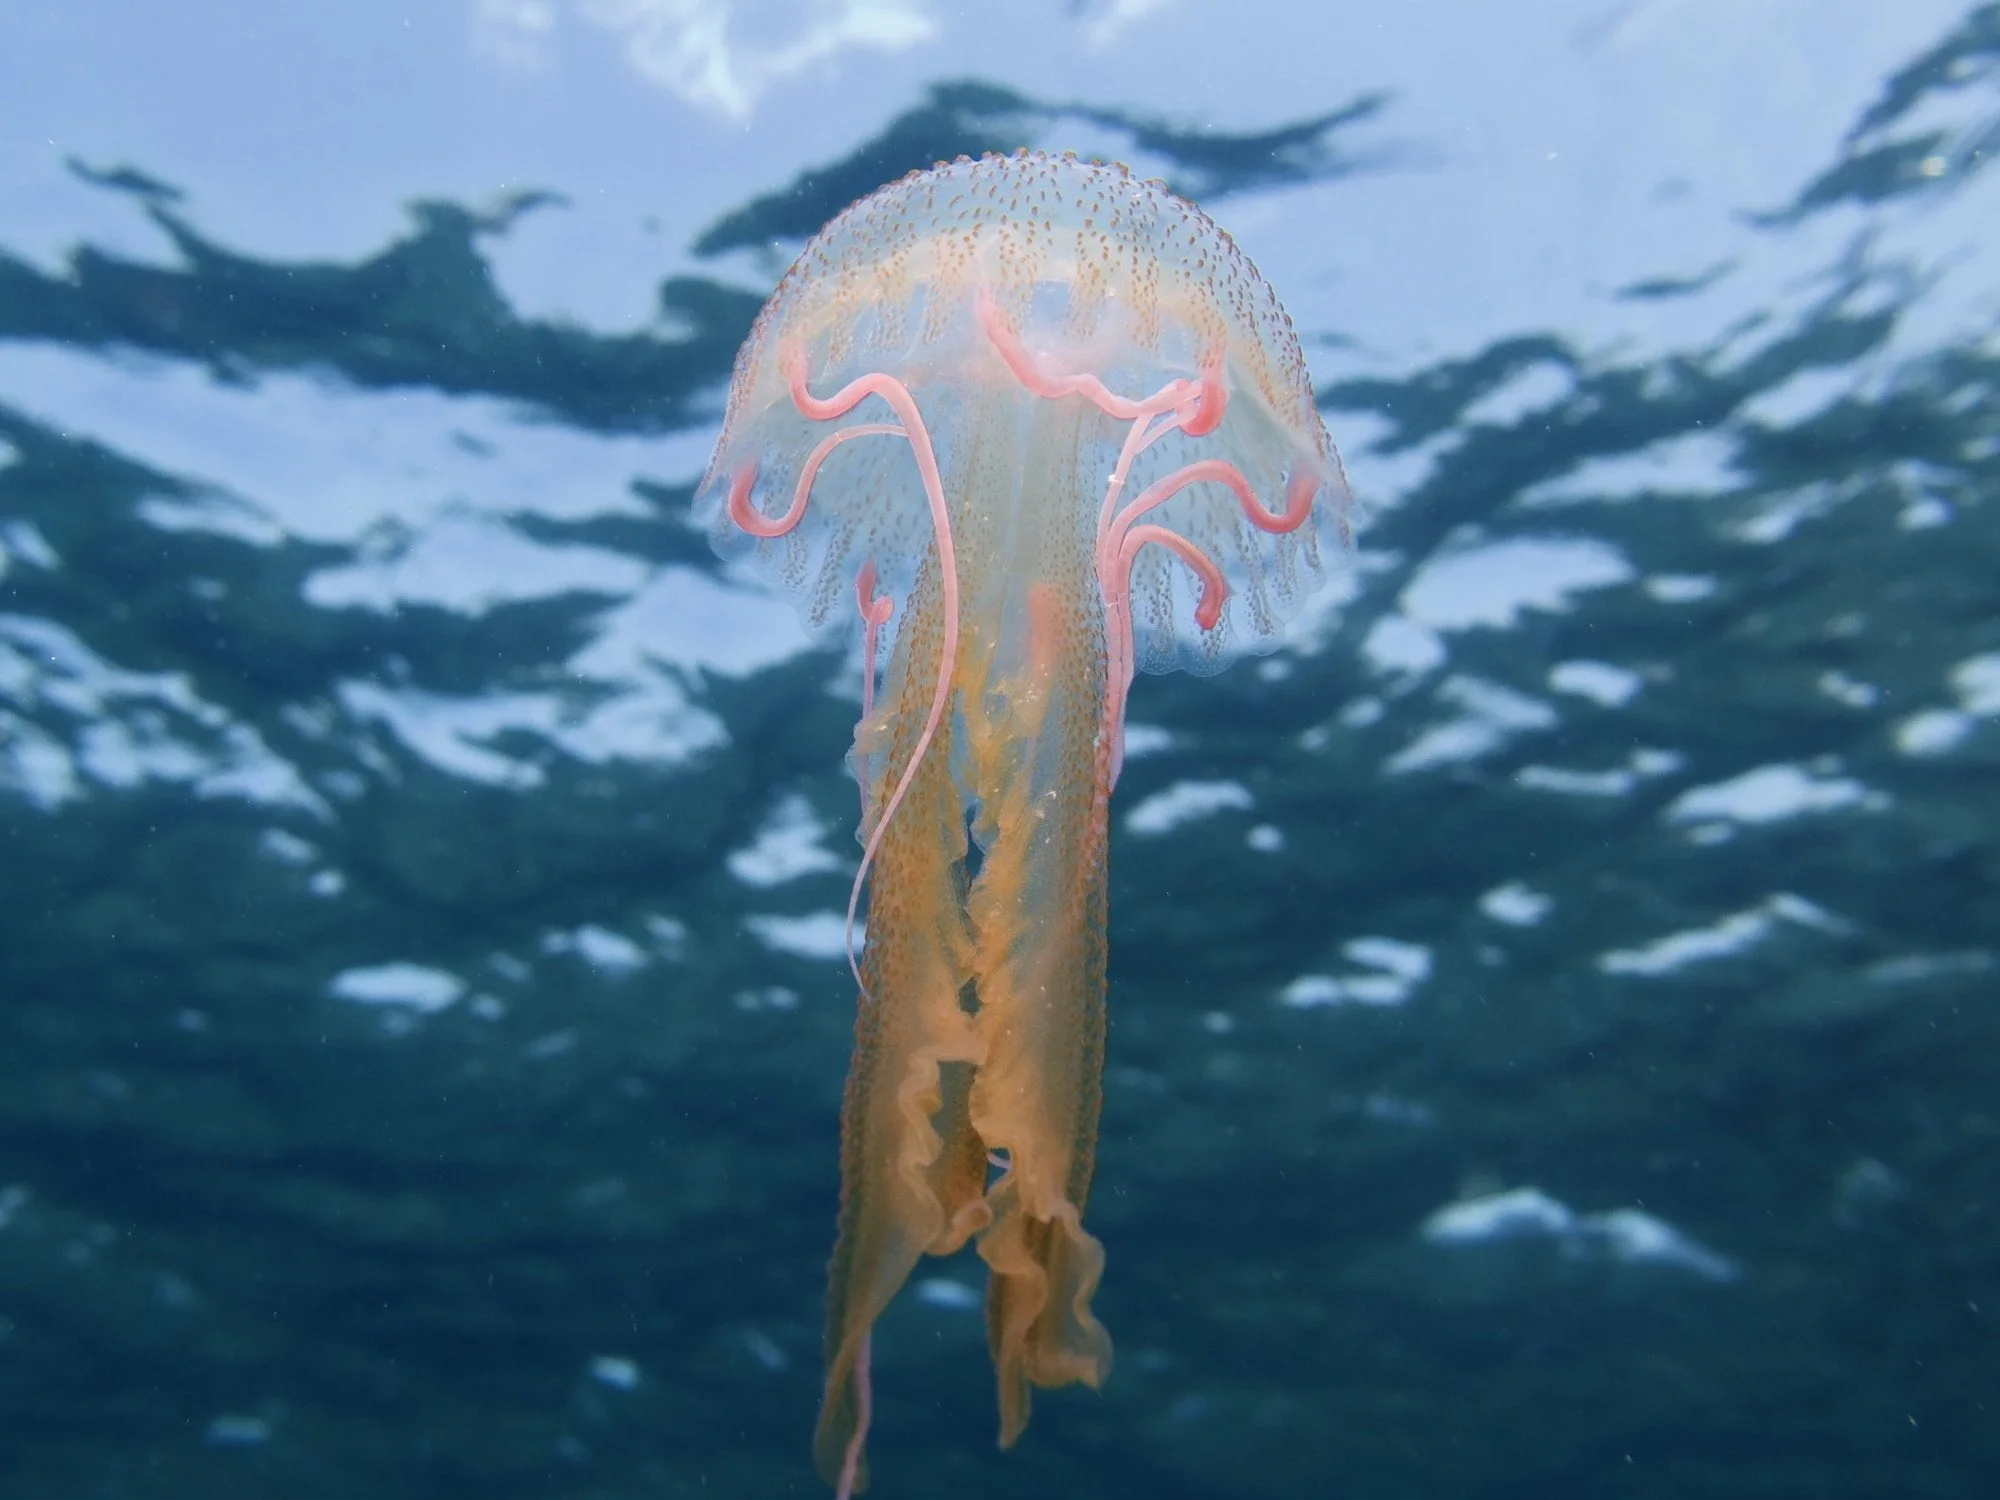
<point x="904" y="405"/>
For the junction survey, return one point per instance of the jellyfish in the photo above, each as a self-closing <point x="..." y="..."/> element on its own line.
<point x="1029" y="424"/>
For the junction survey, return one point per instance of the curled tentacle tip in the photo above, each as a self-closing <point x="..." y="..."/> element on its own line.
<point x="1210" y="403"/>
<point x="1208" y="613"/>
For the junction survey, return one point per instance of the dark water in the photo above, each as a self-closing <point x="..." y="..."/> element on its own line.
<point x="1554" y="1042"/>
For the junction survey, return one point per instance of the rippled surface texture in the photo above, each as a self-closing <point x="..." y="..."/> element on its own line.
<point x="1552" y="1037"/>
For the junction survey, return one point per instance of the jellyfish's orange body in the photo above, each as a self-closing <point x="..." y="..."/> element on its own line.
<point x="1038" y="423"/>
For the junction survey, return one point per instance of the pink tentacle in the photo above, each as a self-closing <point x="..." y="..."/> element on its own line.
<point x="841" y="402"/>
<point x="824" y="449"/>
<point x="748" y="517"/>
<point x="1028" y="370"/>
<point x="1119" y="541"/>
<point x="850" y="1462"/>
<point x="1299" y="495"/>
<point x="1163" y="489"/>
<point x="1140" y="437"/>
<point x="1214" y="590"/>
<point x="764" y="527"/>
<point x="1214" y="401"/>
<point x="1118" y="669"/>
<point x="904" y="405"/>
<point x="1115" y="575"/>
<point x="1300" y="490"/>
<point x="875" y="611"/>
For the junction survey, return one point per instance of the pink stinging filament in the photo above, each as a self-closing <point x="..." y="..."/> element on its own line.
<point x="1195" y="408"/>
<point x="850" y="1461"/>
<point x="874" y="612"/>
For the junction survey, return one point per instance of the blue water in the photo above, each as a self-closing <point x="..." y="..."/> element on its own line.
<point x="1552" y="1044"/>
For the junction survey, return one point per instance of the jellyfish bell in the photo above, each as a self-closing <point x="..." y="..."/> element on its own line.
<point x="1097" y="276"/>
